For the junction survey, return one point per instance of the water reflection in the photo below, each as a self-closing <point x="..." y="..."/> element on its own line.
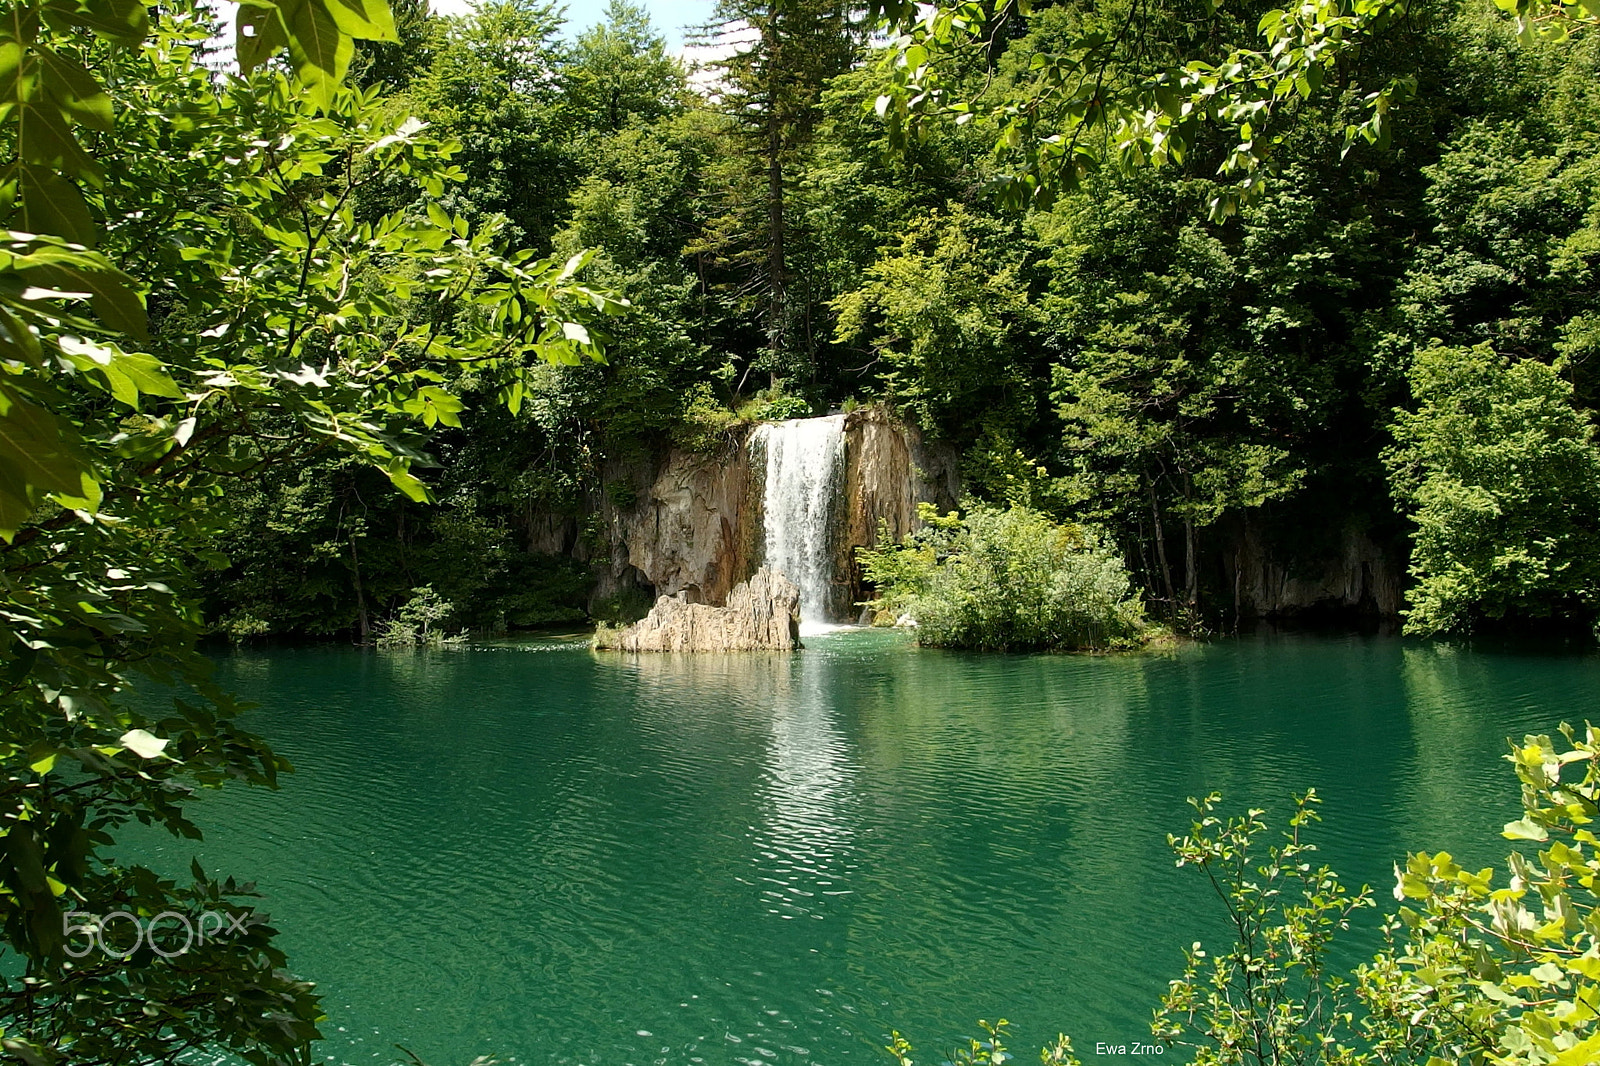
<point x="589" y="859"/>
<point x="803" y="848"/>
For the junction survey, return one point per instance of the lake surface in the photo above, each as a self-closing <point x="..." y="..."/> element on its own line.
<point x="562" y="857"/>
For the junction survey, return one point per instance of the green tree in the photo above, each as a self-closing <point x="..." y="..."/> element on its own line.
<point x="783" y="53"/>
<point x="394" y="64"/>
<point x="1500" y="473"/>
<point x="944" y="313"/>
<point x="1128" y="85"/>
<point x="1166" y="409"/>
<point x="279" y="327"/>
<point x="635" y="208"/>
<point x="494" y="85"/>
<point x="619" y="71"/>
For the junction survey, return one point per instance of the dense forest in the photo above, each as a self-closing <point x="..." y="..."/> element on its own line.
<point x="311" y="337"/>
<point x="1390" y="338"/>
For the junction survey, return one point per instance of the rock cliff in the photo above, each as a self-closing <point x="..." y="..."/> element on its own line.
<point x="1355" y="574"/>
<point x="692" y="523"/>
<point x="762" y="614"/>
<point x="889" y="469"/>
<point x="688" y="525"/>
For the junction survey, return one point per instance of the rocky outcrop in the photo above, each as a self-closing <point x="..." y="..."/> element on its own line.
<point x="691" y="524"/>
<point x="691" y="528"/>
<point x="762" y="614"/>
<point x="1359" y="575"/>
<point x="889" y="470"/>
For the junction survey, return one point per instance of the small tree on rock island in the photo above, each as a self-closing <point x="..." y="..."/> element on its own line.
<point x="420" y="621"/>
<point x="1005" y="580"/>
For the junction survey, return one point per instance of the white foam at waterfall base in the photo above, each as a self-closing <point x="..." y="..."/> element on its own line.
<point x="804" y="473"/>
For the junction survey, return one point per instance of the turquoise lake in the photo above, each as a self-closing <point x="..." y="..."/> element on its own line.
<point x="552" y="856"/>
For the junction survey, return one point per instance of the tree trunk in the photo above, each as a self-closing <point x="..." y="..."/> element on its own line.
<point x="1192" y="592"/>
<point x="362" y="622"/>
<point x="1236" y="576"/>
<point x="1145" y="566"/>
<point x="1161" y="547"/>
<point x="777" y="279"/>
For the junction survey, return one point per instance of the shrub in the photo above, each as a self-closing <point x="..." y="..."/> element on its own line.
<point x="775" y="404"/>
<point x="707" y="424"/>
<point x="420" y="621"/>
<point x="1006" y="579"/>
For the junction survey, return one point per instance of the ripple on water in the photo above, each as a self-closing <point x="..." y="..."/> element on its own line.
<point x="569" y="858"/>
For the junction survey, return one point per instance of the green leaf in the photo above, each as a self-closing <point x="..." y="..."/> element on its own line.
<point x="439" y="406"/>
<point x="407" y="482"/>
<point x="129" y="374"/>
<point x="115" y="301"/>
<point x="27" y="862"/>
<point x="143" y="743"/>
<point x="20" y="24"/>
<point x="319" y="53"/>
<point x="30" y="1054"/>
<point x="575" y="264"/>
<point x="369" y="20"/>
<point x="146" y="373"/>
<point x="1523" y="829"/>
<point x="44" y="133"/>
<point x="38" y="456"/>
<point x="123" y="21"/>
<point x="258" y="35"/>
<point x="50" y="203"/>
<point x="75" y="90"/>
<point x="18" y="341"/>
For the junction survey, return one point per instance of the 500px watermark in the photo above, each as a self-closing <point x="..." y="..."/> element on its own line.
<point x="197" y="929"/>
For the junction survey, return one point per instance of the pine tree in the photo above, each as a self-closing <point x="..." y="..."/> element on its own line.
<point x="782" y="53"/>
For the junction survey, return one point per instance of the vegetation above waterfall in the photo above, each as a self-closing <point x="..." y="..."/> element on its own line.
<point x="1008" y="579"/>
<point x="1220" y="396"/>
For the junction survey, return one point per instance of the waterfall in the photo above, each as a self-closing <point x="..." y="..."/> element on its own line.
<point x="805" y="469"/>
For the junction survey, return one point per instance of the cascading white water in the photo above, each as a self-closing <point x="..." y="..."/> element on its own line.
<point x="804" y="469"/>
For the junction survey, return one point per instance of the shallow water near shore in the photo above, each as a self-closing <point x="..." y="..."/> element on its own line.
<point x="553" y="855"/>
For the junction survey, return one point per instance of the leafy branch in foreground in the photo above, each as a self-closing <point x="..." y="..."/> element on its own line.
<point x="1267" y="998"/>
<point x="1470" y="974"/>
<point x="286" y="319"/>
<point x="987" y="1052"/>
<point x="1511" y="975"/>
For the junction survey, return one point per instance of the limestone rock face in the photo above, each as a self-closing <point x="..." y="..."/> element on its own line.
<point x="1363" y="577"/>
<point x="889" y="470"/>
<point x="761" y="614"/>
<point x="692" y="529"/>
